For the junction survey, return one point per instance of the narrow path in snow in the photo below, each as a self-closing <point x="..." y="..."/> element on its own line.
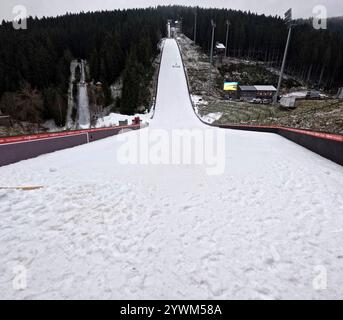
<point x="264" y="229"/>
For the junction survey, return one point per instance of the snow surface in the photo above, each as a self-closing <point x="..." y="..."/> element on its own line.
<point x="83" y="101"/>
<point x="100" y="229"/>
<point x="297" y="94"/>
<point x="211" y="117"/>
<point x="113" y="119"/>
<point x="51" y="126"/>
<point x="83" y="107"/>
<point x="173" y="103"/>
<point x="302" y="94"/>
<point x="69" y="120"/>
<point x="198" y="100"/>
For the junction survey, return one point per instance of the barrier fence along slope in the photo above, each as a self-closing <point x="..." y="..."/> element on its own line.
<point x="15" y="149"/>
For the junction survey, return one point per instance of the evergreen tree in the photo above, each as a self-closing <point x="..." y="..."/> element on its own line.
<point x="131" y="87"/>
<point x="29" y="104"/>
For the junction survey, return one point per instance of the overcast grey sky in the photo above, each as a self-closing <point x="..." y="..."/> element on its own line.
<point x="302" y="8"/>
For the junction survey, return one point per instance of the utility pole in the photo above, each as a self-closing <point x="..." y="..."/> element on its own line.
<point x="288" y="21"/>
<point x="195" y="27"/>
<point x="227" y="37"/>
<point x="212" y="45"/>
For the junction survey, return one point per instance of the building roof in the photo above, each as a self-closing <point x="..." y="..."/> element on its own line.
<point x="257" y="88"/>
<point x="247" y="88"/>
<point x="220" y="46"/>
<point x="265" y="88"/>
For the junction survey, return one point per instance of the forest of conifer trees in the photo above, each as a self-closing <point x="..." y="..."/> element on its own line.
<point x="35" y="63"/>
<point x="38" y="59"/>
<point x="315" y="55"/>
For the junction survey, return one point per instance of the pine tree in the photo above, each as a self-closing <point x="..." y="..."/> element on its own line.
<point x="29" y="104"/>
<point x="131" y="87"/>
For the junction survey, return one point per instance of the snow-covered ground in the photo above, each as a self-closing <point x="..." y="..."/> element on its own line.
<point x="211" y="117"/>
<point x="302" y="94"/>
<point x="83" y="101"/>
<point x="199" y="102"/>
<point x="83" y="107"/>
<point x="83" y="113"/>
<point x="51" y="126"/>
<point x="269" y="227"/>
<point x="69" y="120"/>
<point x="297" y="94"/>
<point x="113" y="119"/>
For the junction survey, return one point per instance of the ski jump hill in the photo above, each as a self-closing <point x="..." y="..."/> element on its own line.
<point x="268" y="227"/>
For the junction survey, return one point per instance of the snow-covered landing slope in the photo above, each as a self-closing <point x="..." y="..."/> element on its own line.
<point x="263" y="229"/>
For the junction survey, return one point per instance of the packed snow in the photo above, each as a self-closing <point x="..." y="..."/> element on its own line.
<point x="303" y="94"/>
<point x="269" y="227"/>
<point x="113" y="119"/>
<point x="51" y="126"/>
<point x="211" y="117"/>
<point x="83" y="101"/>
<point x="83" y="107"/>
<point x="198" y="100"/>
<point x="69" y="120"/>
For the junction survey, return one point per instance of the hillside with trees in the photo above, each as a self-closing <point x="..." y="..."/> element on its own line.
<point x="35" y="63"/>
<point x="315" y="56"/>
<point x="37" y="60"/>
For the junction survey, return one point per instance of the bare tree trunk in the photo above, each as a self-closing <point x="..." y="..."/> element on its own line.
<point x="321" y="76"/>
<point x="303" y="74"/>
<point x="309" y="74"/>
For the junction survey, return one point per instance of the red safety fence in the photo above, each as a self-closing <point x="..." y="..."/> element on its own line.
<point x="19" y="148"/>
<point x="322" y="135"/>
<point x="40" y="136"/>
